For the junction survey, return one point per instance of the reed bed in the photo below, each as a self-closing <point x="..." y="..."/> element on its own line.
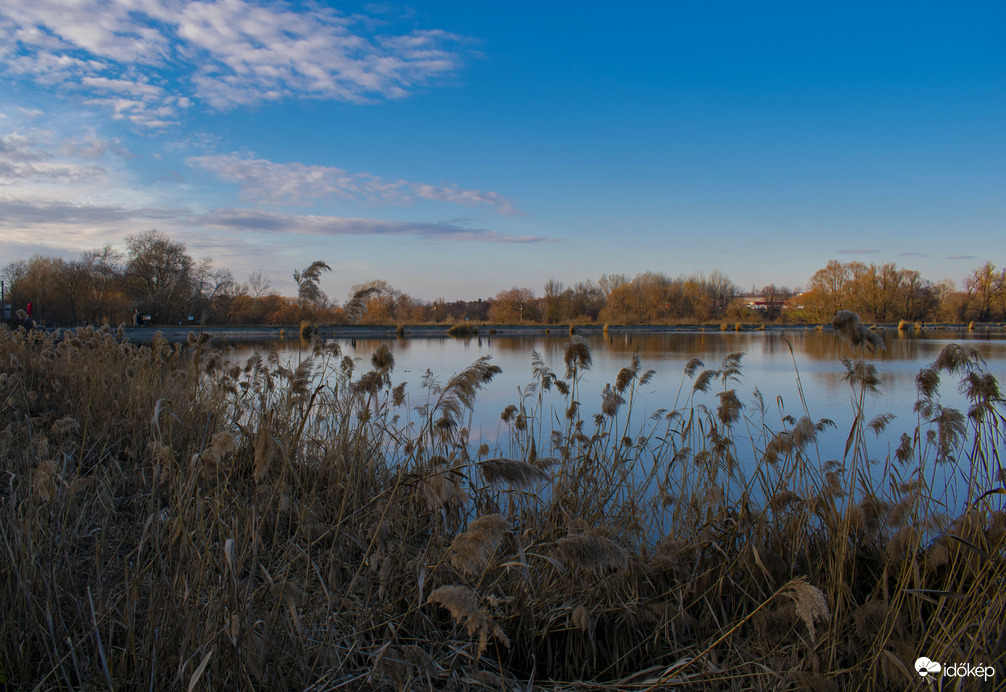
<point x="172" y="520"/>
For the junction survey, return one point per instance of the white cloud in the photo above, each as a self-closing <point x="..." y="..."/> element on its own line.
<point x="72" y="226"/>
<point x="292" y="183"/>
<point x="153" y="56"/>
<point x="24" y="160"/>
<point x="89" y="145"/>
<point x="269" y="222"/>
<point x="22" y="213"/>
<point x="138" y="89"/>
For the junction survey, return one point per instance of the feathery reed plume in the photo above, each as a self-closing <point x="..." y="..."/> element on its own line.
<point x="463" y="605"/>
<point x="905" y="449"/>
<point x="950" y="430"/>
<point x="471" y="549"/>
<point x="440" y="491"/>
<point x="871" y="512"/>
<point x="459" y="392"/>
<point x="580" y="618"/>
<point x="300" y="381"/>
<point x="513" y="472"/>
<point x="783" y="499"/>
<point x="848" y="326"/>
<point x="729" y="410"/>
<point x="356" y="306"/>
<point x="955" y="359"/>
<point x="221" y="444"/>
<point x="577" y="356"/>
<point x="398" y="394"/>
<point x="382" y="359"/>
<point x="611" y="401"/>
<point x="65" y="426"/>
<point x="626" y="375"/>
<point x="927" y="381"/>
<point x="859" y="373"/>
<point x="591" y="551"/>
<point x="691" y="366"/>
<point x="811" y="604"/>
<point x="730" y="368"/>
<point x="870" y="619"/>
<point x="704" y="379"/>
<point x="880" y="422"/>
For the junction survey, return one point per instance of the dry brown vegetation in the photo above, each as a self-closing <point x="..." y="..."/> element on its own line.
<point x="171" y="520"/>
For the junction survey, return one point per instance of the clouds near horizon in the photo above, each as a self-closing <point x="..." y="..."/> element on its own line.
<point x="253" y="220"/>
<point x="64" y="190"/>
<point x="294" y="183"/>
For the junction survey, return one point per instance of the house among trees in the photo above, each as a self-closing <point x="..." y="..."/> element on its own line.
<point x="764" y="303"/>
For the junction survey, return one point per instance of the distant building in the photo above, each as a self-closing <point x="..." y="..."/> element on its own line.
<point x="763" y="304"/>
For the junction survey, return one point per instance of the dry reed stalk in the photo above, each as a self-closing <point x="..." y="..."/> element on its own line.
<point x="264" y="448"/>
<point x="470" y="550"/>
<point x="513" y="472"/>
<point x="464" y="606"/>
<point x="160" y="603"/>
<point x="811" y="603"/>
<point x="848" y="326"/>
<point x="591" y="551"/>
<point x="440" y="491"/>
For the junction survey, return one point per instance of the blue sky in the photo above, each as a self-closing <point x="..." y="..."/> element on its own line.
<point x="456" y="149"/>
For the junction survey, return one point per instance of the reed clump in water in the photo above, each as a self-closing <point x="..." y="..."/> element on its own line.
<point x="169" y="518"/>
<point x="463" y="329"/>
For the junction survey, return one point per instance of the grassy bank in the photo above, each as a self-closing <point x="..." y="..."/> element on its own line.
<point x="172" y="520"/>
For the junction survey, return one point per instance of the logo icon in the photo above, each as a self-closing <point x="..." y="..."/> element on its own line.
<point x="925" y="667"/>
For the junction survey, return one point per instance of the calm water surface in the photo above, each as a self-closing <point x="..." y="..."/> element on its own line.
<point x="769" y="365"/>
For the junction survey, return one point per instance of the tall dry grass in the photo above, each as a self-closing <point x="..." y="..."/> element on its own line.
<point x="172" y="520"/>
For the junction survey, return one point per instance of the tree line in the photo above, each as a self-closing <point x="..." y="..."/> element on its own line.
<point x="155" y="280"/>
<point x="886" y="293"/>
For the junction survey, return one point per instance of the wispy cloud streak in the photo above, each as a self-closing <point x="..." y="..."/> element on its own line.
<point x="261" y="221"/>
<point x="293" y="183"/>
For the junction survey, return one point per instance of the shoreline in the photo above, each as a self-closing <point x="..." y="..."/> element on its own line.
<point x="292" y="333"/>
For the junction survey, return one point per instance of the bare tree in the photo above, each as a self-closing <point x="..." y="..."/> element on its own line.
<point x="103" y="267"/>
<point x="158" y="274"/>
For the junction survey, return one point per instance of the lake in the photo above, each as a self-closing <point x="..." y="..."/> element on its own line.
<point x="768" y="365"/>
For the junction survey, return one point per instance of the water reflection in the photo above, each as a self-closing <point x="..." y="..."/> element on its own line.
<point x="777" y="364"/>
